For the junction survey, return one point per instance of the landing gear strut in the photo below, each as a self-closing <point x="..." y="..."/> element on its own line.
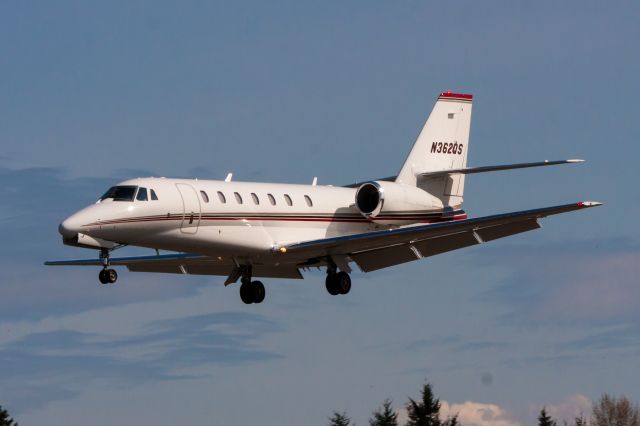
<point x="251" y="291"/>
<point x="337" y="282"/>
<point x="106" y="275"/>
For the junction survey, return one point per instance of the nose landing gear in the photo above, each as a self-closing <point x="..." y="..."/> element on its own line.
<point x="106" y="275"/>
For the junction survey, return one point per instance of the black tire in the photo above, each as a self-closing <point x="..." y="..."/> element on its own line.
<point x="331" y="284"/>
<point x="343" y="282"/>
<point x="258" y="291"/>
<point x="112" y="276"/>
<point x="246" y="294"/>
<point x="102" y="276"/>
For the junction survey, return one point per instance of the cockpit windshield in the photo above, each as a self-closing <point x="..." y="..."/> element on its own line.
<point x="120" y="193"/>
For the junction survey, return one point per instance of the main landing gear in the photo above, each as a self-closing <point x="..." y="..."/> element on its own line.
<point x="337" y="282"/>
<point x="251" y="291"/>
<point x="106" y="275"/>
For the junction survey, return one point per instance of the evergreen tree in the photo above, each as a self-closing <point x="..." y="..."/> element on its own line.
<point x="451" y="421"/>
<point x="544" y="419"/>
<point x="5" y="419"/>
<point x="384" y="416"/>
<point x="580" y="421"/>
<point x="339" y="419"/>
<point x="425" y="412"/>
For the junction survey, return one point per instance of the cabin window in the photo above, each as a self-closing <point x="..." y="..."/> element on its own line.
<point x="288" y="199"/>
<point x="205" y="197"/>
<point x="272" y="199"/>
<point x="255" y="198"/>
<point x="222" y="198"/>
<point x="120" y="193"/>
<point x="238" y="197"/>
<point x="154" y="197"/>
<point x="308" y="200"/>
<point x="142" y="194"/>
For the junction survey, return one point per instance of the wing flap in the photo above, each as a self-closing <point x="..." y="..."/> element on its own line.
<point x="173" y="268"/>
<point x="438" y="245"/>
<point x="382" y="258"/>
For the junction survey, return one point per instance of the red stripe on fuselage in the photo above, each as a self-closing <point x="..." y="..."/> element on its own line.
<point x="180" y="217"/>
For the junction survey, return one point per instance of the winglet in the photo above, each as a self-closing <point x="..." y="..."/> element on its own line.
<point x="589" y="204"/>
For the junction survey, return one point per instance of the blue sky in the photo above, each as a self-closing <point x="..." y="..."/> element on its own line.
<point x="93" y="93"/>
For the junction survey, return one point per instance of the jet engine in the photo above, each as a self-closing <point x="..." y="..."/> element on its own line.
<point x="394" y="203"/>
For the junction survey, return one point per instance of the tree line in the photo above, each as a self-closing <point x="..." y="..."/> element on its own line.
<point x="425" y="411"/>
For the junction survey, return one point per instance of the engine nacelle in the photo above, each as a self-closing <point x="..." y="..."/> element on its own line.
<point x="394" y="203"/>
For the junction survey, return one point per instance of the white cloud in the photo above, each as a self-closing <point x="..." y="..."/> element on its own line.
<point x="471" y="414"/>
<point x="478" y="414"/>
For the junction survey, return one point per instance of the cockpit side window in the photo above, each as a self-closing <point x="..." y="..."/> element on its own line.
<point x="154" y="197"/>
<point x="120" y="193"/>
<point x="142" y="194"/>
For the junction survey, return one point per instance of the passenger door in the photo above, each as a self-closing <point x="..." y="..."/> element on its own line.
<point x="190" y="208"/>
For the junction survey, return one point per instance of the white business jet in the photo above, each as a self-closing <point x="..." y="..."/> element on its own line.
<point x="244" y="230"/>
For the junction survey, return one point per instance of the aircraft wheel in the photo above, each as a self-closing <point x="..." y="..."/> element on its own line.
<point x="246" y="295"/>
<point x="258" y="291"/>
<point x="102" y="276"/>
<point x="343" y="282"/>
<point x="112" y="276"/>
<point x="332" y="284"/>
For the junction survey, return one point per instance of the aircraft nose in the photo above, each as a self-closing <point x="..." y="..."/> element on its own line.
<point x="70" y="227"/>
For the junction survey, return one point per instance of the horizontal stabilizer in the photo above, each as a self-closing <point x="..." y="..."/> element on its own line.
<point x="469" y="170"/>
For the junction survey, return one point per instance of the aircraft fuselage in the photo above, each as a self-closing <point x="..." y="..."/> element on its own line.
<point x="220" y="218"/>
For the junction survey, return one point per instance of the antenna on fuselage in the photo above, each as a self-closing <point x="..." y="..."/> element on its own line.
<point x="315" y="181"/>
<point x="228" y="178"/>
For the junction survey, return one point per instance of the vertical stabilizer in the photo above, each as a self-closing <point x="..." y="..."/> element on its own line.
<point x="442" y="145"/>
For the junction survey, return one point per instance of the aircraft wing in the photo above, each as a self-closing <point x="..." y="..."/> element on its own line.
<point x="381" y="249"/>
<point x="185" y="263"/>
<point x="132" y="260"/>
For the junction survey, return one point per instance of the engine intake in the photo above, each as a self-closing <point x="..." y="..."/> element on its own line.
<point x="369" y="199"/>
<point x="393" y="203"/>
